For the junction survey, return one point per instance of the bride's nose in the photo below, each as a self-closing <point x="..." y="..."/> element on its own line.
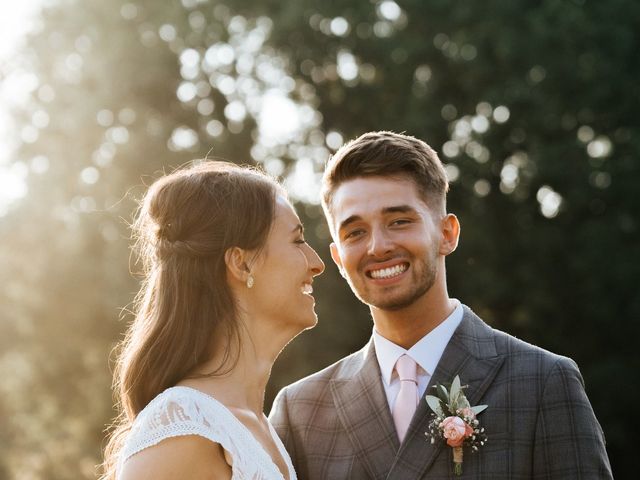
<point x="316" y="265"/>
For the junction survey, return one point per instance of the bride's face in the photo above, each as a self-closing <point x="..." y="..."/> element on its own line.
<point x="284" y="272"/>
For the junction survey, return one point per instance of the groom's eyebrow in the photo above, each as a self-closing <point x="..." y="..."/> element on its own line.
<point x="349" y="220"/>
<point x="398" y="209"/>
<point x="385" y="211"/>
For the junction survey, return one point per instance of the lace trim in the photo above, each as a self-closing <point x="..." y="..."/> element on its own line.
<point x="182" y="411"/>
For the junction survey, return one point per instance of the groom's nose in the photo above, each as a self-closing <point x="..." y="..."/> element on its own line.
<point x="380" y="243"/>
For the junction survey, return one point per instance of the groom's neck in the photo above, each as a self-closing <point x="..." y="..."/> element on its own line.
<point x="409" y="325"/>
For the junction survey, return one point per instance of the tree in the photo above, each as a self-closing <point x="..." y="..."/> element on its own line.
<point x="530" y="104"/>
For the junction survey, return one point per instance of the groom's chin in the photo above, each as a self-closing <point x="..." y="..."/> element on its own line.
<point x="390" y="303"/>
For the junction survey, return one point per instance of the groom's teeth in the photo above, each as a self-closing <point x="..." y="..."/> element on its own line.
<point x="307" y="288"/>
<point x="389" y="272"/>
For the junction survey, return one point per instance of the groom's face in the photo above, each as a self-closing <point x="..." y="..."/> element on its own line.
<point x="388" y="242"/>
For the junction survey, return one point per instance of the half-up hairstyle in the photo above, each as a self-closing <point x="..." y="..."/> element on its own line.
<point x="185" y="224"/>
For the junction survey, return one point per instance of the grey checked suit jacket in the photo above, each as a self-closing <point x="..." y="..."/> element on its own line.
<point x="336" y="424"/>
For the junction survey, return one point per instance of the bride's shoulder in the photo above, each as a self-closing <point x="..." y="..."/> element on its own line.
<point x="180" y="404"/>
<point x="181" y="416"/>
<point x="183" y="411"/>
<point x="178" y="396"/>
<point x="189" y="456"/>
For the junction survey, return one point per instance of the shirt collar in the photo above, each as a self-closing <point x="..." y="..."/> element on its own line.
<point x="426" y="352"/>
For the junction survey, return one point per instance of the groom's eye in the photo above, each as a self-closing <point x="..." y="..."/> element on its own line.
<point x="353" y="234"/>
<point x="401" y="221"/>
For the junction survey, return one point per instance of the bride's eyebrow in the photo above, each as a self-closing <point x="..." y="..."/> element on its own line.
<point x="298" y="229"/>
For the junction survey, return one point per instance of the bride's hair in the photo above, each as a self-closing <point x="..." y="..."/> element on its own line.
<point x="185" y="224"/>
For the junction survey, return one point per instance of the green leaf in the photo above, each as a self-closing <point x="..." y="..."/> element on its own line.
<point x="455" y="388"/>
<point x="479" y="408"/>
<point x="435" y="404"/>
<point x="443" y="394"/>
<point x="457" y="399"/>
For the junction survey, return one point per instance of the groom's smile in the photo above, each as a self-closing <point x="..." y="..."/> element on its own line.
<point x="387" y="272"/>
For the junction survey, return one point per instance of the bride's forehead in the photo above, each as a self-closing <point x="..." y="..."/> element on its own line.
<point x="285" y="213"/>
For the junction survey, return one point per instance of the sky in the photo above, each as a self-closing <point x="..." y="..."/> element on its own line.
<point x="18" y="18"/>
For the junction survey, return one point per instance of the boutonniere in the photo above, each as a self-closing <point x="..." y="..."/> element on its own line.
<point x="455" y="421"/>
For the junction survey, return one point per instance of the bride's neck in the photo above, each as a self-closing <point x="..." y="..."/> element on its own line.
<point x="244" y="385"/>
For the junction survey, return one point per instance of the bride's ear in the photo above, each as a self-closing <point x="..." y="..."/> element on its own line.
<point x="236" y="260"/>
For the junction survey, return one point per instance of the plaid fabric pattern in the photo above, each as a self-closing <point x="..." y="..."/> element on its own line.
<point x="336" y="423"/>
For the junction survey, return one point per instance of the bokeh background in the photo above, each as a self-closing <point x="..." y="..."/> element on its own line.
<point x="532" y="105"/>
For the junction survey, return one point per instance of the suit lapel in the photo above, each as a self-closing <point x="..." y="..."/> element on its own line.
<point x="362" y="408"/>
<point x="471" y="354"/>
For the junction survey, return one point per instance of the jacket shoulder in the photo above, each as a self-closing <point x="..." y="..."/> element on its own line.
<point x="312" y="385"/>
<point x="520" y="352"/>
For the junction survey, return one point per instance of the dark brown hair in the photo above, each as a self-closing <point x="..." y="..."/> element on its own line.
<point x="387" y="154"/>
<point x="185" y="224"/>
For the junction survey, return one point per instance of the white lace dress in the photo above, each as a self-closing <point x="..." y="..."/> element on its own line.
<point x="185" y="411"/>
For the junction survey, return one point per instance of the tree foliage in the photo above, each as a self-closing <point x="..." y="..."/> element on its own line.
<point x="532" y="106"/>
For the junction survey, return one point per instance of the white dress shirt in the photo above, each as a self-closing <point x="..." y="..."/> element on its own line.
<point x="426" y="353"/>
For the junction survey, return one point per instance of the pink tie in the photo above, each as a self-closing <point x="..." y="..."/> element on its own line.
<point x="407" y="399"/>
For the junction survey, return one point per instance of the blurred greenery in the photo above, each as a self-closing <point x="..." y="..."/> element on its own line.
<point x="533" y="106"/>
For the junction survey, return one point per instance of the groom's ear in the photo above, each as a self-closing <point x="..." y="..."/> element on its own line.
<point x="450" y="231"/>
<point x="335" y="255"/>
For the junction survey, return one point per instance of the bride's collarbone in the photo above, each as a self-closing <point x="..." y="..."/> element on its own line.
<point x="258" y="426"/>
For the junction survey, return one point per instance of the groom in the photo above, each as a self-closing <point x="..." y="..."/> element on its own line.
<point x="384" y="196"/>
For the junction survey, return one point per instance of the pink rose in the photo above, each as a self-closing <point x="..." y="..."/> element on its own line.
<point x="468" y="413"/>
<point x="455" y="430"/>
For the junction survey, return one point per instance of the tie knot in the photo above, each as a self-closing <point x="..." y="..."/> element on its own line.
<point x="406" y="368"/>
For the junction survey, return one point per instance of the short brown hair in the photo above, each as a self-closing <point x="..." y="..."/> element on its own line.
<point x="387" y="154"/>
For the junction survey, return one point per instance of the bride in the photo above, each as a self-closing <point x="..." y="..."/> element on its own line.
<point x="227" y="285"/>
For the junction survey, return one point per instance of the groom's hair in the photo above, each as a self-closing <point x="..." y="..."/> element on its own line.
<point x="388" y="154"/>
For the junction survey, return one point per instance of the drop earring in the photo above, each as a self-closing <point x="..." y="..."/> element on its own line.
<point x="250" y="281"/>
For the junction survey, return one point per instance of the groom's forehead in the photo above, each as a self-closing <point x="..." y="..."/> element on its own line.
<point x="371" y="195"/>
